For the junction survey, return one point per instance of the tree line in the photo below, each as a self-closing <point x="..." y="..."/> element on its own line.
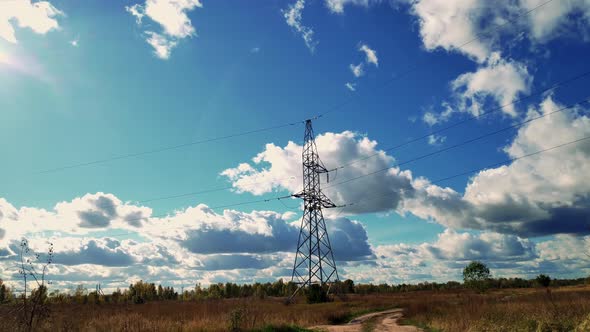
<point x="141" y="291"/>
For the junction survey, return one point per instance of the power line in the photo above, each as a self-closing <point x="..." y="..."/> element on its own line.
<point x="377" y="171"/>
<point x="330" y="110"/>
<point x="554" y="86"/>
<point x="168" y="148"/>
<point x="167" y="215"/>
<point x="354" y="161"/>
<point x="205" y="191"/>
<point x="338" y="106"/>
<point x="526" y="13"/>
<point x="390" y="167"/>
<point x="417" y="158"/>
<point x="509" y="160"/>
<point x="193" y="193"/>
<point x="473" y="117"/>
<point x="251" y="202"/>
<point x="294" y="123"/>
<point x="458" y="144"/>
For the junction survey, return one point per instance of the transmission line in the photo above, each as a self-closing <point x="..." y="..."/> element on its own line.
<point x="321" y="115"/>
<point x="493" y="110"/>
<point x="403" y="163"/>
<point x="554" y="86"/>
<point x="471" y="118"/>
<point x="506" y="161"/>
<point x="330" y="110"/>
<point x="417" y="158"/>
<point x="538" y="152"/>
<point x="167" y="215"/>
<point x="205" y="191"/>
<point x="509" y="160"/>
<point x="168" y="148"/>
<point x="458" y="144"/>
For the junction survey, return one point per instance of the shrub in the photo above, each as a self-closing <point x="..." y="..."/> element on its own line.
<point x="316" y="294"/>
<point x="235" y="319"/>
<point x="543" y="280"/>
<point x="584" y="325"/>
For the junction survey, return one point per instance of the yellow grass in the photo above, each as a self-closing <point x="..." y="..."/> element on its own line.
<point x="563" y="309"/>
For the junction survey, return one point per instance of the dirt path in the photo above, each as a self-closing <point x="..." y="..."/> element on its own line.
<point x="385" y="321"/>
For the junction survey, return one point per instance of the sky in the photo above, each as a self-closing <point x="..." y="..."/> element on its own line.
<point x="142" y="138"/>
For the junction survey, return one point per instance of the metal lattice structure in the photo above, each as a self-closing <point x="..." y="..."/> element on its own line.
<point x="314" y="262"/>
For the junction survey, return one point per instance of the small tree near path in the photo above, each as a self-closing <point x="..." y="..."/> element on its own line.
<point x="476" y="275"/>
<point x="33" y="268"/>
<point x="543" y="280"/>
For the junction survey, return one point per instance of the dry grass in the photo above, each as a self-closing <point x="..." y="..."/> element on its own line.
<point x="534" y="310"/>
<point x="563" y="309"/>
<point x="206" y="315"/>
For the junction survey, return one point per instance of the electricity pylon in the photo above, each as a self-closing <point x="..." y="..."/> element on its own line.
<point x="314" y="262"/>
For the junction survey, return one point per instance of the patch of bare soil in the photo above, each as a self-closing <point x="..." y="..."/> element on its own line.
<point x="384" y="321"/>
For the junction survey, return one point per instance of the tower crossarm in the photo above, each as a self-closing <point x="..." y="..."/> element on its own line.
<point x="316" y="199"/>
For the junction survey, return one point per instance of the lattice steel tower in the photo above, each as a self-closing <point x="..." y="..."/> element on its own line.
<point x="314" y="262"/>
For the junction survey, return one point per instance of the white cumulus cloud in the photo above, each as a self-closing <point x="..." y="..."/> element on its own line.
<point x="543" y="194"/>
<point x="370" y="54"/>
<point x="499" y="80"/>
<point x="555" y="17"/>
<point x="540" y="195"/>
<point x="475" y="27"/>
<point x="506" y="255"/>
<point x="337" y="6"/>
<point x="357" y="70"/>
<point x="293" y="16"/>
<point x="114" y="238"/>
<point x="40" y="16"/>
<point x="171" y="16"/>
<point x="269" y="167"/>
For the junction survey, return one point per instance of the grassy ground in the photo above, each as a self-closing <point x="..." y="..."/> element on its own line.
<point x="535" y="310"/>
<point x="564" y="309"/>
<point x="210" y="315"/>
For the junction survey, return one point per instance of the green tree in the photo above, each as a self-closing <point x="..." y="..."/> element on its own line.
<point x="543" y="280"/>
<point x="348" y="286"/>
<point x="216" y="291"/>
<point x="3" y="292"/>
<point x="80" y="294"/>
<point x="316" y="294"/>
<point x="160" y="292"/>
<point x="476" y="275"/>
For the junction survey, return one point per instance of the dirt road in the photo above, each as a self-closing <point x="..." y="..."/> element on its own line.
<point x="383" y="321"/>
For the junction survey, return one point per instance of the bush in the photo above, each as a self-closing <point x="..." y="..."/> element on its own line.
<point x="543" y="280"/>
<point x="316" y="294"/>
<point x="584" y="325"/>
<point x="5" y="293"/>
<point x="235" y="319"/>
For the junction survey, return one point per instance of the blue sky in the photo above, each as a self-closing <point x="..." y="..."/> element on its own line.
<point x="91" y="82"/>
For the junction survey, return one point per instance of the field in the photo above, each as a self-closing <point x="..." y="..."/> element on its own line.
<point x="561" y="309"/>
